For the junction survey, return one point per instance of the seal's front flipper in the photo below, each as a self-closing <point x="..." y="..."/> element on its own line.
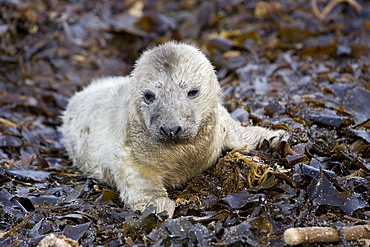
<point x="165" y="204"/>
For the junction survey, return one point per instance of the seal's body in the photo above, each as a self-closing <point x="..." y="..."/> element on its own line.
<point x="155" y="129"/>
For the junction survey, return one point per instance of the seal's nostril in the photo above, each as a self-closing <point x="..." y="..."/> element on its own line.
<point x="163" y="130"/>
<point x="177" y="130"/>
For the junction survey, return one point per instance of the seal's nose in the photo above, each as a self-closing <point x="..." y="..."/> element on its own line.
<point x="172" y="132"/>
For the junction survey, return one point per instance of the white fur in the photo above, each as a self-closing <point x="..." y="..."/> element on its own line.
<point x="112" y="135"/>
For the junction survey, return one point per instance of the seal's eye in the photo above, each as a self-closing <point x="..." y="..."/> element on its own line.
<point x="149" y="96"/>
<point x="193" y="93"/>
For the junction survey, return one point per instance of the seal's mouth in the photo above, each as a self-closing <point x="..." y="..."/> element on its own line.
<point x="173" y="139"/>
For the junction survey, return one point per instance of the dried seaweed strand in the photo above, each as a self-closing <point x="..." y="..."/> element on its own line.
<point x="8" y="123"/>
<point x="16" y="228"/>
<point x="331" y="5"/>
<point x="356" y="219"/>
<point x="300" y="235"/>
<point x="259" y="171"/>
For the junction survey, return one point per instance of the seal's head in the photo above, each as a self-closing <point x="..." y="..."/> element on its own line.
<point x="178" y="91"/>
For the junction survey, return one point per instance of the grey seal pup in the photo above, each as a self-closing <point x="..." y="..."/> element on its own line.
<point x="156" y="128"/>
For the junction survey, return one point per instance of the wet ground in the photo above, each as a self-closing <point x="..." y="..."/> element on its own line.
<point x="300" y="65"/>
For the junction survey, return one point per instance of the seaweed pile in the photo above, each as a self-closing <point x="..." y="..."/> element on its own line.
<point x="300" y="65"/>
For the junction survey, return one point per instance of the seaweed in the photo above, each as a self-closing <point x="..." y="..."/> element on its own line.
<point x="296" y="65"/>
